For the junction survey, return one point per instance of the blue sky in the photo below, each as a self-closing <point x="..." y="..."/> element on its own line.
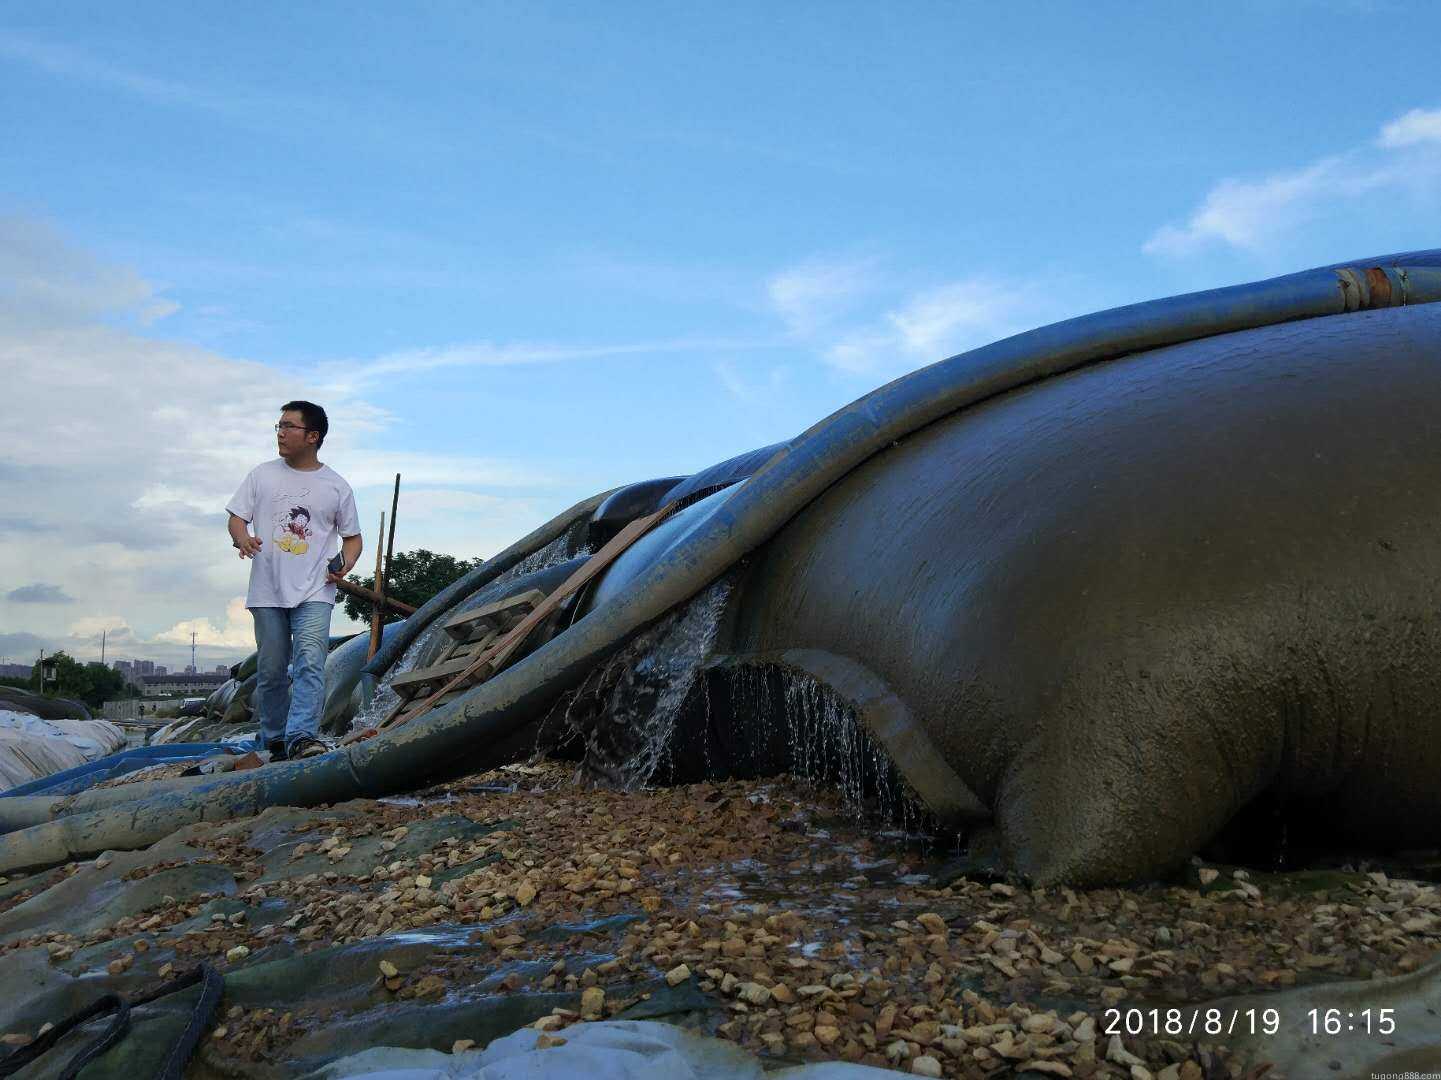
<point x="524" y="252"/>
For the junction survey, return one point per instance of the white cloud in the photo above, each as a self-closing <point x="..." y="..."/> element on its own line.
<point x="863" y="324"/>
<point x="1255" y="215"/>
<point x="42" y="274"/>
<point x="946" y="320"/>
<point x="1416" y="126"/>
<point x="934" y="324"/>
<point x="358" y="375"/>
<point x="816" y="293"/>
<point x="237" y="633"/>
<point x="121" y="450"/>
<point x="465" y="524"/>
<point x="93" y="625"/>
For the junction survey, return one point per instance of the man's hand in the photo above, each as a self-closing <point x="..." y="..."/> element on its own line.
<point x="350" y="547"/>
<point x="249" y="547"/>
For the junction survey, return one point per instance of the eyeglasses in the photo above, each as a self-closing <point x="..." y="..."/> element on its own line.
<point x="291" y="427"/>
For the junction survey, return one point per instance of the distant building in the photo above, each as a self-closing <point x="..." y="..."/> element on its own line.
<point x="16" y="671"/>
<point x="161" y="669"/>
<point x="202" y="682"/>
<point x="221" y="669"/>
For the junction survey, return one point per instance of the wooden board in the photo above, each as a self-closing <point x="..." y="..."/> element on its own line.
<point x="495" y="657"/>
<point x="472" y="648"/>
<point x="493" y="654"/>
<point x="501" y="615"/>
<point x="409" y="683"/>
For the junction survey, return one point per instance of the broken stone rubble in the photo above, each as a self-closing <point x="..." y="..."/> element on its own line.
<point x="445" y="921"/>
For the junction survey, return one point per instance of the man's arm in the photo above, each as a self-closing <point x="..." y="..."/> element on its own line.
<point x="248" y="545"/>
<point x="350" y="547"/>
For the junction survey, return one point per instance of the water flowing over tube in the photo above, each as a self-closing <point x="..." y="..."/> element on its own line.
<point x="479" y="728"/>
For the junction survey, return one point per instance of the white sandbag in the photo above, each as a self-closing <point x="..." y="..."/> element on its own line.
<point x="93" y="738"/>
<point x="612" y="1050"/>
<point x="26" y="756"/>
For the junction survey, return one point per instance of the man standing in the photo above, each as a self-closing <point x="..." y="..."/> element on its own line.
<point x="297" y="506"/>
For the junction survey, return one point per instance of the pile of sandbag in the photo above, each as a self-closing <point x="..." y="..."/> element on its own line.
<point x="32" y="747"/>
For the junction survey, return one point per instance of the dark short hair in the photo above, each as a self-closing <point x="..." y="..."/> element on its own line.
<point x="312" y="414"/>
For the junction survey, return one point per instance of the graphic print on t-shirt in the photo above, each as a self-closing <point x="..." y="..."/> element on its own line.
<point x="291" y="531"/>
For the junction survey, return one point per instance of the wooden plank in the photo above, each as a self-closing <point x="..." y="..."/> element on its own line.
<point x="494" y="616"/>
<point x="494" y="658"/>
<point x="407" y="681"/>
<point x="472" y="648"/>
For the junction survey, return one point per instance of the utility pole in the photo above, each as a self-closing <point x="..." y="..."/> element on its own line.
<point x="192" y="652"/>
<point x="102" y="648"/>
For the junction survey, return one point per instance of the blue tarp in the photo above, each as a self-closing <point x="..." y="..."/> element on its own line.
<point x="86" y="776"/>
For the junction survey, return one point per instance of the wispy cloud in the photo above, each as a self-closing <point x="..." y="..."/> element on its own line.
<point x="357" y="376"/>
<point x="64" y="61"/>
<point x="1416" y="126"/>
<point x="1404" y="161"/>
<point x="68" y="62"/>
<point x="934" y="324"/>
<point x="860" y="323"/>
<point x="817" y="292"/>
<point x="752" y="390"/>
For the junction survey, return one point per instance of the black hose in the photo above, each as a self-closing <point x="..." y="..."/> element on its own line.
<point x="175" y="1061"/>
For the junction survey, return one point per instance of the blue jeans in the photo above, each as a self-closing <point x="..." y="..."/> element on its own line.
<point x="289" y="702"/>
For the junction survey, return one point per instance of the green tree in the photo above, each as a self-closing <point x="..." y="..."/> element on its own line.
<point x="92" y="683"/>
<point x="415" y="576"/>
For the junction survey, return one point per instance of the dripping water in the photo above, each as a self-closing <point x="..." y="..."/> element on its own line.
<point x="557" y="551"/>
<point x="626" y="712"/>
<point x="385" y="699"/>
<point x="788" y="720"/>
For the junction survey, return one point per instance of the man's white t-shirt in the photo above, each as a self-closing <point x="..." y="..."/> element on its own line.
<point x="298" y="516"/>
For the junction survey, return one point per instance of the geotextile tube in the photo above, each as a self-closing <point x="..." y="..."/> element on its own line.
<point x="394" y="647"/>
<point x="488" y="719"/>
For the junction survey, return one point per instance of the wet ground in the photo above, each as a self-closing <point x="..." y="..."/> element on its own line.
<point x="763" y="912"/>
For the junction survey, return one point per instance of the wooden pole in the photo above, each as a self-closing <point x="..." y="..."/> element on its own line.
<point x="390" y="544"/>
<point x="379" y="590"/>
<point x="382" y="572"/>
<point x="360" y="592"/>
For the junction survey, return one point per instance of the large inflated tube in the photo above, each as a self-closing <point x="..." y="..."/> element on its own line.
<point x="343" y="669"/>
<point x="625" y="505"/>
<point x="482" y="575"/>
<point x="721" y="475"/>
<point x="493" y="714"/>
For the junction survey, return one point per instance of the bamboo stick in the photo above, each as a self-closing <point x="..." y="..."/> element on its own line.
<point x="375" y="609"/>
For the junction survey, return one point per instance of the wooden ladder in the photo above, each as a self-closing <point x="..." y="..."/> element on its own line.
<point x="483" y="641"/>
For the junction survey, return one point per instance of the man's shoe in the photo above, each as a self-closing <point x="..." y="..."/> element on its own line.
<point x="276" y="749"/>
<point x="305" y="747"/>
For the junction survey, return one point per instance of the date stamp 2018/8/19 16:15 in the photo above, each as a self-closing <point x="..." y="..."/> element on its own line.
<point x="1218" y="1023"/>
